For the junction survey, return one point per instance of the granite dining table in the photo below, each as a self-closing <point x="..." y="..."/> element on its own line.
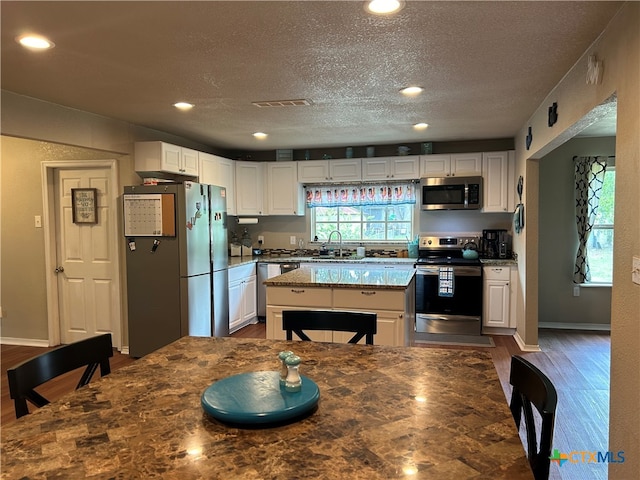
<point x="383" y="413"/>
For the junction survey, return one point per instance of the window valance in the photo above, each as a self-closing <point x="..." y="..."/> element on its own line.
<point x="359" y="194"/>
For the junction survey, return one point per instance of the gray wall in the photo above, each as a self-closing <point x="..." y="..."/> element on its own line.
<point x="277" y="230"/>
<point x="558" y="240"/>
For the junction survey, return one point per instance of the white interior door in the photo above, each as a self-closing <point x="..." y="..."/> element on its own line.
<point x="87" y="295"/>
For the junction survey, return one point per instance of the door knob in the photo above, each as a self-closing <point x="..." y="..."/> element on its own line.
<point x="59" y="269"/>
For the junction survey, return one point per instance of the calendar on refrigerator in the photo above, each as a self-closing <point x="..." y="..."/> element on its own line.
<point x="149" y="215"/>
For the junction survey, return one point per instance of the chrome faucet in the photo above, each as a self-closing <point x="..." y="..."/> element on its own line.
<point x="339" y="239"/>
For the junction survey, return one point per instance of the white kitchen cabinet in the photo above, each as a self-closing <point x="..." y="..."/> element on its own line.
<point x="243" y="307"/>
<point x="466" y="164"/>
<point x="390" y="306"/>
<point x="497" y="173"/>
<point x="163" y="157"/>
<point x="391" y="168"/>
<point x="215" y="170"/>
<point x="250" y="179"/>
<point x="285" y="195"/>
<point x="389" y="325"/>
<point x="319" y="171"/>
<point x="458" y="164"/>
<point x="499" y="296"/>
<point x="292" y="298"/>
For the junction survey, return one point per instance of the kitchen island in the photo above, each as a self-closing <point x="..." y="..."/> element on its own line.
<point x="388" y="292"/>
<point x="384" y="413"/>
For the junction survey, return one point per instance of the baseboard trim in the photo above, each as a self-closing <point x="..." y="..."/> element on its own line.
<point x="24" y="342"/>
<point x="523" y="346"/>
<point x="601" y="327"/>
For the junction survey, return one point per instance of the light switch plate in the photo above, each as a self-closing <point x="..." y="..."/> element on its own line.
<point x="292" y="239"/>
<point x="635" y="270"/>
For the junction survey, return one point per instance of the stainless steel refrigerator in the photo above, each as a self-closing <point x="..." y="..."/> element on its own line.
<point x="176" y="254"/>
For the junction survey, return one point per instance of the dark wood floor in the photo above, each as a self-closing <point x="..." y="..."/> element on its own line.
<point x="576" y="362"/>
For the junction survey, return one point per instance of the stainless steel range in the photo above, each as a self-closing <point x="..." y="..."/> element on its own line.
<point x="448" y="285"/>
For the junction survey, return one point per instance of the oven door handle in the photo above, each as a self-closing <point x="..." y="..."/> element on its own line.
<point x="463" y="271"/>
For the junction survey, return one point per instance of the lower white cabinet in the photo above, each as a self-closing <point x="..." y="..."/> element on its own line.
<point x="389" y="305"/>
<point x="243" y="307"/>
<point x="499" y="296"/>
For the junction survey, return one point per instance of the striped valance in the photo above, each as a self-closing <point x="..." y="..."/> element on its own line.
<point x="345" y="195"/>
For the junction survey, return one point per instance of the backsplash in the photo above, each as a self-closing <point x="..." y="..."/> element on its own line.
<point x="379" y="253"/>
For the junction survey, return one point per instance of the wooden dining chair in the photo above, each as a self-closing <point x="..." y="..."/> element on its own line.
<point x="26" y="376"/>
<point x="532" y="387"/>
<point x="362" y="324"/>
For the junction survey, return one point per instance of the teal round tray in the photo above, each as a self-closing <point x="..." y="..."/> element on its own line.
<point x="257" y="399"/>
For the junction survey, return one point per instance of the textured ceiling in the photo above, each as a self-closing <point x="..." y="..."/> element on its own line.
<point x="485" y="66"/>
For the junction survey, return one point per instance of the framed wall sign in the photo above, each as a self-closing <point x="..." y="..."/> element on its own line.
<point x="84" y="205"/>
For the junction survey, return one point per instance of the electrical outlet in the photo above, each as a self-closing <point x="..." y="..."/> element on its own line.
<point x="292" y="239"/>
<point x="260" y="239"/>
<point x="635" y="270"/>
<point x="576" y="290"/>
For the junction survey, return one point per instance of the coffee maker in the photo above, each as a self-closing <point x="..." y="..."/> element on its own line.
<point x="495" y="244"/>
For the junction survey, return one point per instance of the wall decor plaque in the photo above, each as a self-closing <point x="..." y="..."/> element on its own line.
<point x="84" y="205"/>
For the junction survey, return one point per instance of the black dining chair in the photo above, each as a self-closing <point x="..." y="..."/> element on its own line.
<point x="362" y="324"/>
<point x="532" y="387"/>
<point x="28" y="375"/>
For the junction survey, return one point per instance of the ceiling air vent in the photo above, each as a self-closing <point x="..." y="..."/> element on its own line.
<point x="283" y="103"/>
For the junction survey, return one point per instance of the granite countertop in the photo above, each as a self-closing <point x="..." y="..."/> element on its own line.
<point x="234" y="261"/>
<point x="347" y="260"/>
<point x="499" y="262"/>
<point x="384" y="412"/>
<point x="237" y="261"/>
<point x="344" y="277"/>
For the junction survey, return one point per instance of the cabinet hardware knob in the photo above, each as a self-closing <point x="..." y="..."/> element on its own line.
<point x="59" y="269"/>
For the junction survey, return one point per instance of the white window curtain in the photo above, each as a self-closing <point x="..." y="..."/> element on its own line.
<point x="360" y="194"/>
<point x="589" y="178"/>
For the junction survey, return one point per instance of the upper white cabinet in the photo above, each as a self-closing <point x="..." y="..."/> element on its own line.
<point x="497" y="174"/>
<point x="457" y="164"/>
<point x="166" y="158"/>
<point x="391" y="168"/>
<point x="319" y="171"/>
<point x="285" y="195"/>
<point x="219" y="171"/>
<point x="250" y="188"/>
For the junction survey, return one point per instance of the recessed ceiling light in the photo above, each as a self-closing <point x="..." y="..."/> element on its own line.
<point x="35" y="42"/>
<point x="411" y="91"/>
<point x="260" y="135"/>
<point x="383" y="7"/>
<point x="421" y="126"/>
<point x="183" y="105"/>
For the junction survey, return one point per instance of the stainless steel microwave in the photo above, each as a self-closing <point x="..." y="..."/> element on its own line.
<point x="451" y="193"/>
